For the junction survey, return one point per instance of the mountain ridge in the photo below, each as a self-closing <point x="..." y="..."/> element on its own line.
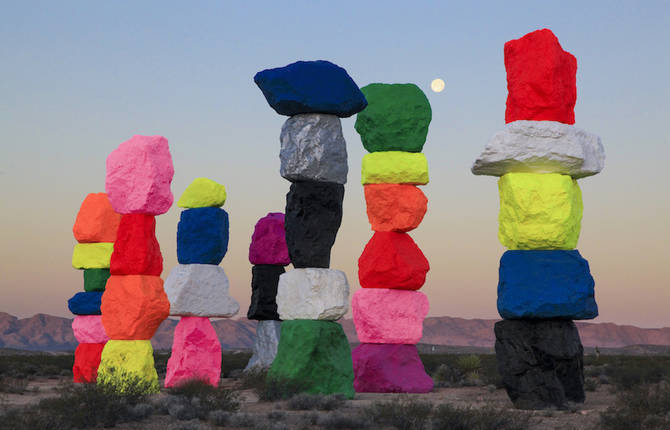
<point x="43" y="332"/>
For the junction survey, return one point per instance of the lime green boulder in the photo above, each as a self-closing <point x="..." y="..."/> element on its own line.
<point x="95" y="279"/>
<point x="128" y="365"/>
<point x="203" y="193"/>
<point x="396" y="118"/>
<point x="92" y="255"/>
<point x="539" y="211"/>
<point x="315" y="356"/>
<point x="394" y="167"/>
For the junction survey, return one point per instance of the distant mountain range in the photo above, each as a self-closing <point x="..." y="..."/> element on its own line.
<point x="43" y="332"/>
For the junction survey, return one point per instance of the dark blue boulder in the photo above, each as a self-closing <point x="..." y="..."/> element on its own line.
<point x="202" y="236"/>
<point x="311" y="87"/>
<point x="85" y="303"/>
<point x="545" y="284"/>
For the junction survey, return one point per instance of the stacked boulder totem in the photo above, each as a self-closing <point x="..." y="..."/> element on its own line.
<point x="197" y="287"/>
<point x="95" y="229"/>
<point x="388" y="310"/>
<point x="269" y="254"/>
<point x="313" y="350"/>
<point x="139" y="174"/>
<point x="544" y="282"/>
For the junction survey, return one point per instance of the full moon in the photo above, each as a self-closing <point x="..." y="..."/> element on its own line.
<point x="437" y="85"/>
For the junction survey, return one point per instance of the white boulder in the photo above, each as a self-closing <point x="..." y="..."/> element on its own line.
<point x="265" y="345"/>
<point x="200" y="290"/>
<point x="541" y="147"/>
<point x="312" y="294"/>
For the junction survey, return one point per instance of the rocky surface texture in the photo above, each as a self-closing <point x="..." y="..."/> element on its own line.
<point x="312" y="294"/>
<point x="265" y="345"/>
<point x="389" y="368"/>
<point x="541" y="147"/>
<point x="310" y="87"/>
<point x="313" y="149"/>
<point x="541" y="362"/>
<point x="313" y="217"/>
<point x="315" y="355"/>
<point x="395" y="207"/>
<point x="546" y="284"/>
<point x="200" y="290"/>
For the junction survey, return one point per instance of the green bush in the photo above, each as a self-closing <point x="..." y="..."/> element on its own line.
<point x="305" y="402"/>
<point x="642" y="407"/>
<point x="403" y="413"/>
<point x="43" y="365"/>
<point x="11" y="385"/>
<point x="447" y="417"/>
<point x="197" y="399"/>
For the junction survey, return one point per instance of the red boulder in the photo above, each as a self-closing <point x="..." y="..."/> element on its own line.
<point x="541" y="79"/>
<point x="86" y="362"/>
<point x="392" y="260"/>
<point x="136" y="250"/>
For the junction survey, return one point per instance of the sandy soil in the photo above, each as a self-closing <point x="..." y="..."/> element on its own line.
<point x="585" y="416"/>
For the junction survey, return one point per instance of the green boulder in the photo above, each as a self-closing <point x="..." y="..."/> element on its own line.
<point x="95" y="279"/>
<point x="314" y="355"/>
<point x="396" y="118"/>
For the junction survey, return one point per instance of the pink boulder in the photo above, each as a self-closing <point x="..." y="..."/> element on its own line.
<point x="384" y="368"/>
<point x="89" y="329"/>
<point x="389" y="316"/>
<point x="139" y="173"/>
<point x="196" y="353"/>
<point x="268" y="243"/>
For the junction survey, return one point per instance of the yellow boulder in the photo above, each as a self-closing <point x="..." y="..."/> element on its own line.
<point x="394" y="167"/>
<point x="92" y="255"/>
<point x="203" y="193"/>
<point x="539" y="211"/>
<point x="128" y="365"/>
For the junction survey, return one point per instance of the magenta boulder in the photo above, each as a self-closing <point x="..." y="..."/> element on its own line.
<point x="196" y="353"/>
<point x="384" y="368"/>
<point x="268" y="243"/>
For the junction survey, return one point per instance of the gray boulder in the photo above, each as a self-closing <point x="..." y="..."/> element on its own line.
<point x="265" y="345"/>
<point x="313" y="149"/>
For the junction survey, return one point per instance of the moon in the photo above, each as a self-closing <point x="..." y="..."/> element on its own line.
<point x="437" y="85"/>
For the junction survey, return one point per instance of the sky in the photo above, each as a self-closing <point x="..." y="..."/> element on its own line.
<point x="79" y="78"/>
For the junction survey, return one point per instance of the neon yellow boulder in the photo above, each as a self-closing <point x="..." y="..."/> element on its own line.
<point x="394" y="167"/>
<point x="203" y="193"/>
<point x="539" y="211"/>
<point x="92" y="255"/>
<point x="128" y="365"/>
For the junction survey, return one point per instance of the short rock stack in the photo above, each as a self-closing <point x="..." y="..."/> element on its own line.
<point x="268" y="254"/>
<point x="198" y="287"/>
<point x="139" y="173"/>
<point x="544" y="282"/>
<point x="313" y="350"/>
<point x="388" y="310"/>
<point x="95" y="229"/>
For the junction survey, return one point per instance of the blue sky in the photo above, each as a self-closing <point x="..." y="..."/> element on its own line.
<point x="78" y="78"/>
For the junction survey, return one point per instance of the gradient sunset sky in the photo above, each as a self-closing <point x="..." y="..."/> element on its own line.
<point x="79" y="78"/>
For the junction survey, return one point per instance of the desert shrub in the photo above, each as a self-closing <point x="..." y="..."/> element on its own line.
<point x="80" y="406"/>
<point x="196" y="399"/>
<point x="627" y="372"/>
<point x="276" y="415"/>
<point x="305" y="402"/>
<point x="43" y="365"/>
<point x="274" y="389"/>
<point x="268" y="425"/>
<point x="449" y="417"/>
<point x="447" y="376"/>
<point x="309" y="419"/>
<point x="642" y="407"/>
<point x="339" y="420"/>
<point x="241" y="420"/>
<point x="403" y="413"/>
<point x="590" y="384"/>
<point x="187" y="425"/>
<point x="12" y="385"/>
<point x="235" y="362"/>
<point x="469" y="364"/>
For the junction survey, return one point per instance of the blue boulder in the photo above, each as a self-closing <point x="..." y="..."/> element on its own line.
<point x="202" y="236"/>
<point x="311" y="87"/>
<point x="546" y="284"/>
<point x="85" y="303"/>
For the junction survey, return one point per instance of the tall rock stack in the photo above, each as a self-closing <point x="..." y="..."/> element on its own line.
<point x="544" y="281"/>
<point x="388" y="310"/>
<point x="139" y="173"/>
<point x="313" y="350"/>
<point x="198" y="287"/>
<point x="95" y="229"/>
<point x="269" y="254"/>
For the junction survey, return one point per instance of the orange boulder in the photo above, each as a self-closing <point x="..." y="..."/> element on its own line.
<point x="96" y="220"/>
<point x="133" y="306"/>
<point x="395" y="207"/>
